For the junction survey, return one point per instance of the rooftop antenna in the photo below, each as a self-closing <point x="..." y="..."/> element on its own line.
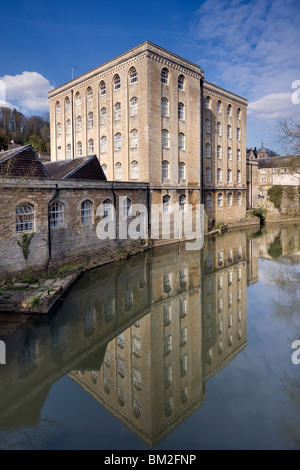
<point x="73" y="67"/>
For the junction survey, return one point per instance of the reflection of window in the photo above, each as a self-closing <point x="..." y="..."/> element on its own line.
<point x="107" y="359"/>
<point x="167" y="345"/>
<point x="137" y="409"/>
<point x="183" y="336"/>
<point x="168" y="376"/>
<point x="137" y="379"/>
<point x="121" y="367"/>
<point x="169" y="407"/>
<point x="106" y="385"/>
<point x="182" y="308"/>
<point x="166" y="283"/>
<point x="128" y="300"/>
<point x="136" y="346"/>
<point x="108" y="311"/>
<point x="121" y="340"/>
<point x="167" y="314"/>
<point x="121" y="397"/>
<point x="183" y="365"/>
<point x="182" y="277"/>
<point x="220" y="281"/>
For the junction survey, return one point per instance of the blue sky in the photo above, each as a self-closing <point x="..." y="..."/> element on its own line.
<point x="248" y="47"/>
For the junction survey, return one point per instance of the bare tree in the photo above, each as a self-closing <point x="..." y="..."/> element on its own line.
<point x="288" y="132"/>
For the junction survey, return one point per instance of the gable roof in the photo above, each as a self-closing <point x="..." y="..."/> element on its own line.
<point x="279" y="162"/>
<point x="76" y="168"/>
<point x="22" y="161"/>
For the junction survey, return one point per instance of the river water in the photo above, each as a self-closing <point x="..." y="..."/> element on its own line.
<point x="170" y="349"/>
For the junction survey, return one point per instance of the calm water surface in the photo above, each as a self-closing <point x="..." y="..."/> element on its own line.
<point x="171" y="349"/>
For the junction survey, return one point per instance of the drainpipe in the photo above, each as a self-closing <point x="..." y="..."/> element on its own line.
<point x="49" y="229"/>
<point x="115" y="205"/>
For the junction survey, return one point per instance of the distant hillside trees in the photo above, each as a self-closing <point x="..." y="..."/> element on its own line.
<point x="34" y="130"/>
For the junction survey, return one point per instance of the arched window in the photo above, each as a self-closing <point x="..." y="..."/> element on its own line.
<point x="229" y="176"/>
<point x="134" y="170"/>
<point x="219" y="175"/>
<point x="57" y="107"/>
<point x="89" y="94"/>
<point x="208" y="201"/>
<point x="166" y="204"/>
<point x="239" y="199"/>
<point x="24" y="218"/>
<point x="207" y="150"/>
<point x="103" y="115"/>
<point x="164" y="107"/>
<point x="219" y="152"/>
<point x="86" y="212"/>
<point x="238" y="155"/>
<point x="181" y="141"/>
<point x="134" y="138"/>
<point x="229" y="153"/>
<point x="207" y="126"/>
<point x="181" y="171"/>
<point x="91" y="146"/>
<point x="165" y="170"/>
<point x="219" y="129"/>
<point x="117" y="108"/>
<point x="181" y="82"/>
<point x="238" y="113"/>
<point x="229" y="199"/>
<point x="103" y="144"/>
<point x="207" y="174"/>
<point x="90" y="120"/>
<point x="238" y="133"/>
<point x="56" y="212"/>
<point x="68" y="127"/>
<point x="229" y="110"/>
<point x="59" y="155"/>
<point x="79" y="149"/>
<point x="126" y="207"/>
<point x="104" y="168"/>
<point x="118" y="171"/>
<point x="69" y="151"/>
<point x="117" y="82"/>
<point x="219" y="106"/>
<point x="67" y="103"/>
<point x="133" y="76"/>
<point x="78" y="99"/>
<point x="229" y="131"/>
<point x="220" y="200"/>
<point x="78" y="123"/>
<point x="207" y="102"/>
<point x="182" y="201"/>
<point x="165" y="138"/>
<point x="118" y="141"/>
<point x="181" y="112"/>
<point x="164" y="76"/>
<point x="107" y="212"/>
<point x="238" y="176"/>
<point x="102" y="88"/>
<point x="133" y="106"/>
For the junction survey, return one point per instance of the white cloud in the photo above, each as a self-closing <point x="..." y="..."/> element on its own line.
<point x="271" y="106"/>
<point x="27" y="91"/>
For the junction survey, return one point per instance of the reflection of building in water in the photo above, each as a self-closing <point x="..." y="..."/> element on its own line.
<point x="279" y="241"/>
<point x="141" y="336"/>
<point x="224" y="301"/>
<point x="153" y="374"/>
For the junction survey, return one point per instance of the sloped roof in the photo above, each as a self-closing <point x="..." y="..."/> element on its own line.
<point x="71" y="167"/>
<point x="25" y="158"/>
<point x="279" y="162"/>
